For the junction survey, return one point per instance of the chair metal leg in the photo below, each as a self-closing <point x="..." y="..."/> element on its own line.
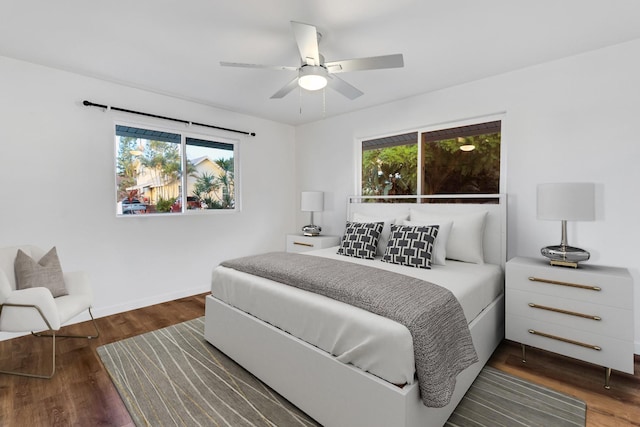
<point x="53" y="341"/>
<point x="44" y="376"/>
<point x="95" y="325"/>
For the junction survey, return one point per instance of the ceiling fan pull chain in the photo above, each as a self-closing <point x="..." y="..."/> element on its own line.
<point x="300" y="99"/>
<point x="324" y="103"/>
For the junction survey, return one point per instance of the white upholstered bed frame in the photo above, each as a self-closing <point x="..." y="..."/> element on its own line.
<point x="338" y="394"/>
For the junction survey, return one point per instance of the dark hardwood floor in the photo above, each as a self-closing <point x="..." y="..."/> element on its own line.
<point x="81" y="392"/>
<point x="619" y="406"/>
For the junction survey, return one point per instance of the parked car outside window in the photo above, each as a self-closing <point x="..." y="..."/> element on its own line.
<point x="133" y="206"/>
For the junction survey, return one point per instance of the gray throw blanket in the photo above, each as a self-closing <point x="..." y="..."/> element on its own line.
<point x="441" y="339"/>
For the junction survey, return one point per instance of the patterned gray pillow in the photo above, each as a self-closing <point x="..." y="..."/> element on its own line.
<point x="411" y="245"/>
<point x="360" y="239"/>
<point x="44" y="273"/>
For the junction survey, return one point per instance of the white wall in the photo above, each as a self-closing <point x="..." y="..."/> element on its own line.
<point x="569" y="120"/>
<point x="57" y="187"/>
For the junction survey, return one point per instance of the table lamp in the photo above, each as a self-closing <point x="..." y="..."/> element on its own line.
<point x="566" y="202"/>
<point x="312" y="201"/>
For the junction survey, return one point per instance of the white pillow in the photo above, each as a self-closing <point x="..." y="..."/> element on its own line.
<point x="386" y="230"/>
<point x="467" y="233"/>
<point x="440" y="246"/>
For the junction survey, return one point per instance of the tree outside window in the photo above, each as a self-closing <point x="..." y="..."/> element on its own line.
<point x="459" y="160"/>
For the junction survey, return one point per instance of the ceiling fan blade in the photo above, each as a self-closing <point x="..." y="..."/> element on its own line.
<point x="286" y="89"/>
<point x="268" y="67"/>
<point x="343" y="87"/>
<point x="371" y="63"/>
<point x="307" y="40"/>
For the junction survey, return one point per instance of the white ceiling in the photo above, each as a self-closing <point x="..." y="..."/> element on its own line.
<point x="174" y="46"/>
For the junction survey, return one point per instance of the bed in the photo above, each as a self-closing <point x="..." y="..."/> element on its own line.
<point x="342" y="380"/>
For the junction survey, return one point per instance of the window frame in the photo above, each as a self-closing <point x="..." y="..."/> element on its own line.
<point x="431" y="128"/>
<point x="184" y="135"/>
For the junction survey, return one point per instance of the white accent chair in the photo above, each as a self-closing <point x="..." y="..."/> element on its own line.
<point x="35" y="310"/>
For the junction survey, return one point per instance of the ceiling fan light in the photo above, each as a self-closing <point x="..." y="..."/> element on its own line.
<point x="312" y="78"/>
<point x="311" y="82"/>
<point x="467" y="147"/>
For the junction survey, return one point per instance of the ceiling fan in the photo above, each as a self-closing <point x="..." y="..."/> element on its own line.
<point x="314" y="73"/>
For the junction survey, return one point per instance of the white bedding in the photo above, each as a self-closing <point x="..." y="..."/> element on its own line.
<point x="373" y="343"/>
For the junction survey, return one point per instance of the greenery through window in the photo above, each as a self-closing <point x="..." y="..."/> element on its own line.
<point x="390" y="165"/>
<point x="460" y="160"/>
<point x="169" y="173"/>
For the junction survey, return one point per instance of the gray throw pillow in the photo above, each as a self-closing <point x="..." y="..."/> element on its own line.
<point x="411" y="245"/>
<point x="44" y="273"/>
<point x="360" y="239"/>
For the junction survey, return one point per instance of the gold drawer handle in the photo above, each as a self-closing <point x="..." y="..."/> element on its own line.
<point x="570" y="313"/>
<point x="303" y="244"/>
<point x="573" y="285"/>
<point x="555" y="337"/>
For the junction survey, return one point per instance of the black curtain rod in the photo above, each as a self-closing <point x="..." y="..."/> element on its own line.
<point x="92" y="104"/>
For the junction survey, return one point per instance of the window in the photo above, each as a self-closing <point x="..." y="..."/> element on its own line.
<point x="459" y="160"/>
<point x="390" y="165"/>
<point x="170" y="173"/>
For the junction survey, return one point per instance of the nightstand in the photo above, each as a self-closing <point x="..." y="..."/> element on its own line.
<point x="584" y="313"/>
<point x="300" y="243"/>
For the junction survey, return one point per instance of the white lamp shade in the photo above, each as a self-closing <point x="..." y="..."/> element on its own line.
<point x="573" y="201"/>
<point x="312" y="201"/>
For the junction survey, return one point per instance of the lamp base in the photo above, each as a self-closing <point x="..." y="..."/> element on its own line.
<point x="565" y="256"/>
<point x="311" y="230"/>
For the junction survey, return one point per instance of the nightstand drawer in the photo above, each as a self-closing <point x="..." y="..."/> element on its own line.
<point x="597" y="285"/>
<point x="297" y="243"/>
<point x="594" y="318"/>
<point x="611" y="352"/>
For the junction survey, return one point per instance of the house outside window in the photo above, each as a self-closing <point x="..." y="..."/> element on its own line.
<point x="160" y="172"/>
<point x="454" y="160"/>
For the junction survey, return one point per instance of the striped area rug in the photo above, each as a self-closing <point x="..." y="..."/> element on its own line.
<point x="499" y="399"/>
<point x="172" y="376"/>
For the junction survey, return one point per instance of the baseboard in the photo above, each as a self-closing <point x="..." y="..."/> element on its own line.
<point x="145" y="302"/>
<point x="120" y="308"/>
